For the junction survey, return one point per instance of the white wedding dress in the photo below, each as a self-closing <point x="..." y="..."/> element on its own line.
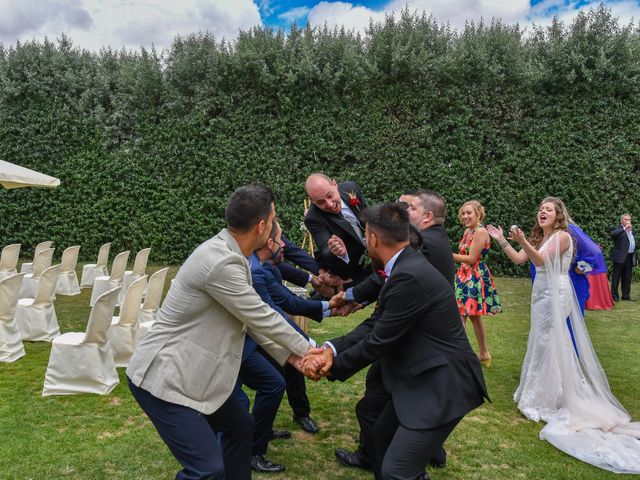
<point x="567" y="391"/>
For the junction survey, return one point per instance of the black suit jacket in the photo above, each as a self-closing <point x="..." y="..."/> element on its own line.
<point x="428" y="367"/>
<point x="435" y="248"/>
<point x="620" y="248"/>
<point x="322" y="225"/>
<point x="294" y="254"/>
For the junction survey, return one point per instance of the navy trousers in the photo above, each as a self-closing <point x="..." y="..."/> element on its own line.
<point x="257" y="373"/>
<point x="190" y="435"/>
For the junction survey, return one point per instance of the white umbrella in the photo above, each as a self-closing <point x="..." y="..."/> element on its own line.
<point x="14" y="176"/>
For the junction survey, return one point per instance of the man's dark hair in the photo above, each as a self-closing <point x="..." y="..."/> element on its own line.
<point x="433" y="202"/>
<point x="389" y="221"/>
<point x="247" y="206"/>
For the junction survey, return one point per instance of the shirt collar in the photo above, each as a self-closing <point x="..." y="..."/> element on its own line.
<point x="392" y="261"/>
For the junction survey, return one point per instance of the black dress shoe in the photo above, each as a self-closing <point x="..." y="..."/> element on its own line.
<point x="439" y="460"/>
<point x="627" y="299"/>
<point x="280" y="434"/>
<point x="615" y="298"/>
<point x="307" y="424"/>
<point x="261" y="464"/>
<point x="352" y="459"/>
<point x="425" y="476"/>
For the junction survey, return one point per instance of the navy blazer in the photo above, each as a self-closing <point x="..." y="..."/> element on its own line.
<point x="268" y="283"/>
<point x="264" y="278"/>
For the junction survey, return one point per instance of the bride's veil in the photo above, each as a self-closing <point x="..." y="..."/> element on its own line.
<point x="591" y="425"/>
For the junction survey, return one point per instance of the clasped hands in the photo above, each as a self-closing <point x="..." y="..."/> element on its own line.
<point x="315" y="364"/>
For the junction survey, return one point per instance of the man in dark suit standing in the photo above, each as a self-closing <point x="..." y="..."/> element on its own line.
<point x="623" y="256"/>
<point x="336" y="227"/>
<point x="427" y="212"/>
<point x="431" y="375"/>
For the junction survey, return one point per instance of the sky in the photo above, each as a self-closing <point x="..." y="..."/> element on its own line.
<point x="93" y="24"/>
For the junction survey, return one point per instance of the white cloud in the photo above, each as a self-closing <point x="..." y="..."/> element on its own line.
<point x="93" y="24"/>
<point x="342" y="13"/>
<point x="457" y="12"/>
<point x="626" y="11"/>
<point x="294" y="14"/>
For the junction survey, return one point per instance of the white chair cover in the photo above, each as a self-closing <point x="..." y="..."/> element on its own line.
<point x="155" y="288"/>
<point x="11" y="347"/>
<point x="36" y="317"/>
<point x="149" y="309"/>
<point x="123" y="327"/>
<point x="27" y="267"/>
<point x="41" y="262"/>
<point x="139" y="270"/>
<point x="67" y="278"/>
<point x="83" y="362"/>
<point x="99" y="269"/>
<point x="103" y="284"/>
<point x="9" y="260"/>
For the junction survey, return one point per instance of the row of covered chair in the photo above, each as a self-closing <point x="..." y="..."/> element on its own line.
<point x="85" y="362"/>
<point x="67" y="282"/>
<point x="35" y="319"/>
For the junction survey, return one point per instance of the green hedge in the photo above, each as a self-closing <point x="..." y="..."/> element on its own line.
<point x="149" y="146"/>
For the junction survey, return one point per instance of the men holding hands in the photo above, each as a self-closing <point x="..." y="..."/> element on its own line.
<point x="184" y="371"/>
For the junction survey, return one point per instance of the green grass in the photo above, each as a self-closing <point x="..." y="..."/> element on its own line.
<point x="95" y="437"/>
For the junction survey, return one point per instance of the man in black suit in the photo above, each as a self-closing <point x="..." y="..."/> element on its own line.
<point x="427" y="212"/>
<point x="431" y="376"/>
<point x="623" y="256"/>
<point x="336" y="227"/>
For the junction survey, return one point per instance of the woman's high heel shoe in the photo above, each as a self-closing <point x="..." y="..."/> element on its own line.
<point x="485" y="360"/>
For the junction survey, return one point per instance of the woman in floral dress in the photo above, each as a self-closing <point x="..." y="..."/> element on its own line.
<point x="475" y="290"/>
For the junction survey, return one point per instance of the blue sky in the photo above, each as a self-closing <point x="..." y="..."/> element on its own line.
<point x="279" y="13"/>
<point x="94" y="24"/>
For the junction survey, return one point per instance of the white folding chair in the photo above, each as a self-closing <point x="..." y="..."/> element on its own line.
<point x="11" y="347"/>
<point x="27" y="267"/>
<point x="149" y="309"/>
<point x="36" y="317"/>
<point x="41" y="262"/>
<point x="99" y="269"/>
<point x="106" y="283"/>
<point x="9" y="260"/>
<point x="67" y="278"/>
<point x="123" y="327"/>
<point x="82" y="362"/>
<point x="139" y="270"/>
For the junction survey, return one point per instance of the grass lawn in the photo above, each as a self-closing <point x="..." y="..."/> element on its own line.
<point x="95" y="437"/>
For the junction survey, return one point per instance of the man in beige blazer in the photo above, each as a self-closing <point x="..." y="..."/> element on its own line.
<point x="183" y="372"/>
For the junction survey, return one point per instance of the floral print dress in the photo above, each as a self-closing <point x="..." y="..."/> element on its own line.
<point x="475" y="290"/>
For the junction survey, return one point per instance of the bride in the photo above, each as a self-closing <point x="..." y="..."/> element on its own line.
<point x="567" y="390"/>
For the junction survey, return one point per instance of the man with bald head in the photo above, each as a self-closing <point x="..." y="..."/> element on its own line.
<point x="335" y="225"/>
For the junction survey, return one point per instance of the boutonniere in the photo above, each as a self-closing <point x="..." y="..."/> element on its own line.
<point x="354" y="201"/>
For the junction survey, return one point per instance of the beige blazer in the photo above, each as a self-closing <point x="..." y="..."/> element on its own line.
<point x="191" y="356"/>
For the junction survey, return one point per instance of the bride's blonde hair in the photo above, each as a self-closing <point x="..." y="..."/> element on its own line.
<point x="562" y="221"/>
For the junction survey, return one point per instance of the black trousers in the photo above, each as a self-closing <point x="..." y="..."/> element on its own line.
<point x="622" y="271"/>
<point x="400" y="453"/>
<point x="369" y="408"/>
<point x="190" y="435"/>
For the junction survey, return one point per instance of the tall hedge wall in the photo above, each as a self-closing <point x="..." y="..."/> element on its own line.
<point x="149" y="146"/>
